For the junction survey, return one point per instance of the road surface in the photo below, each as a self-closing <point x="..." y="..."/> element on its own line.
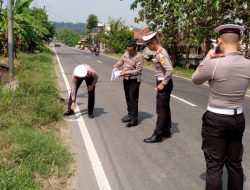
<point x="111" y="156"/>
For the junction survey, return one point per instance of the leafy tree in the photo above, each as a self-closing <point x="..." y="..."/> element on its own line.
<point x="190" y="22"/>
<point x="68" y="36"/>
<point x="92" y="22"/>
<point x="31" y="27"/>
<point x="118" y="36"/>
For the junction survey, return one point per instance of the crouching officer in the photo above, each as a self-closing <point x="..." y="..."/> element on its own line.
<point x="164" y="83"/>
<point x="224" y="122"/>
<point x="83" y="72"/>
<point x="132" y="62"/>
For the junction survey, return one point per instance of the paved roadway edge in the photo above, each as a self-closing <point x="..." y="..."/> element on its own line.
<point x="100" y="175"/>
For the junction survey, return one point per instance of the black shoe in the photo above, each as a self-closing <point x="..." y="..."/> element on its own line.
<point x="167" y="134"/>
<point x="131" y="124"/>
<point x="153" y="139"/>
<point x="91" y="116"/>
<point x="126" y="120"/>
<point x="69" y="112"/>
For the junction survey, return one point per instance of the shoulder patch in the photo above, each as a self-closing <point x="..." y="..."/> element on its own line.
<point x="218" y="55"/>
<point x="162" y="60"/>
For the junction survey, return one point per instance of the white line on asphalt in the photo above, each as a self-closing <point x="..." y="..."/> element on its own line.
<point x="88" y="57"/>
<point x="100" y="175"/>
<point x="185" y="101"/>
<point x="99" y="61"/>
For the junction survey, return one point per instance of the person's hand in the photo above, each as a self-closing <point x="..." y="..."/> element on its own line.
<point x="73" y="105"/>
<point x="124" y="73"/>
<point x="160" y="87"/>
<point x="210" y="52"/>
<point x="115" y="66"/>
<point x="90" y="88"/>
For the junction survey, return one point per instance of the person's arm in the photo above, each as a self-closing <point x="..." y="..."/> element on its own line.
<point x="119" y="63"/>
<point x="95" y="78"/>
<point x="93" y="74"/>
<point x="204" y="71"/>
<point x="73" y="89"/>
<point x="138" y="67"/>
<point x="164" y="60"/>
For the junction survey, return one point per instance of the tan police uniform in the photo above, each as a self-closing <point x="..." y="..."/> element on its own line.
<point x="133" y="66"/>
<point x="163" y="74"/>
<point x="75" y="84"/>
<point x="224" y="123"/>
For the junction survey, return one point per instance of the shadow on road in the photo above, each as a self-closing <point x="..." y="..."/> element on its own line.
<point x="97" y="112"/>
<point x="174" y="128"/>
<point x="144" y="115"/>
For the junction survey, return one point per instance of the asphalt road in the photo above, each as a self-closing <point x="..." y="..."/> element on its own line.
<point x="125" y="161"/>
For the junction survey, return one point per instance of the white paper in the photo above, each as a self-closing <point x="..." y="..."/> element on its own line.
<point x="115" y="74"/>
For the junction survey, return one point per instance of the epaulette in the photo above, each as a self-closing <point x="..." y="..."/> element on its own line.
<point x="217" y="55"/>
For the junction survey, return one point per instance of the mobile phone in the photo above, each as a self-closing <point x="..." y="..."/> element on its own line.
<point x="217" y="49"/>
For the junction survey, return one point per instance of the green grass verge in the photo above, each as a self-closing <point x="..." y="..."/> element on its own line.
<point x="27" y="152"/>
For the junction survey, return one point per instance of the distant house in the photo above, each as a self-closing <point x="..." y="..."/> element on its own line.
<point x="103" y="26"/>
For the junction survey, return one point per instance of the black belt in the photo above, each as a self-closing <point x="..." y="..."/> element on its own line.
<point x="131" y="77"/>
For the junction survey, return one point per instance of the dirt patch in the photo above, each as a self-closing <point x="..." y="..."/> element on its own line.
<point x="53" y="183"/>
<point x="4" y="73"/>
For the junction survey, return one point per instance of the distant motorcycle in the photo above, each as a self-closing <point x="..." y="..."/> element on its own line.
<point x="97" y="51"/>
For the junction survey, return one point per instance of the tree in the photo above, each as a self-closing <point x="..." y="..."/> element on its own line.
<point x="92" y="22"/>
<point x="190" y="22"/>
<point x="31" y="27"/>
<point x="118" y="36"/>
<point x="68" y="36"/>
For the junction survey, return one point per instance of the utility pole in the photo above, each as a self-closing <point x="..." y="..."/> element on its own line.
<point x="10" y="41"/>
<point x="1" y="3"/>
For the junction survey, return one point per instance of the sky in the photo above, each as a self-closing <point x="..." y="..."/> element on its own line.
<point x="78" y="10"/>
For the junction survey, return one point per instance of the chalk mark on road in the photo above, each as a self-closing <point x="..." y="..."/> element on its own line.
<point x="99" y="61"/>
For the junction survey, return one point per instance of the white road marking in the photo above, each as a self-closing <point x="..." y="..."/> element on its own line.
<point x="88" y="57"/>
<point x="99" y="61"/>
<point x="185" y="101"/>
<point x="100" y="175"/>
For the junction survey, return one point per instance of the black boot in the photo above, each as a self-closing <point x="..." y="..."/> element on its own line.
<point x="126" y="119"/>
<point x="153" y="139"/>
<point x="167" y="134"/>
<point x="132" y="123"/>
<point x="90" y="115"/>
<point x="69" y="112"/>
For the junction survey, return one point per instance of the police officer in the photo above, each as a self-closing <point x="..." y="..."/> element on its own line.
<point x="223" y="125"/>
<point x="83" y="72"/>
<point x="164" y="83"/>
<point x="132" y="62"/>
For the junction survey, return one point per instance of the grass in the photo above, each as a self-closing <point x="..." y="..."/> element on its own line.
<point x="183" y="72"/>
<point x="26" y="151"/>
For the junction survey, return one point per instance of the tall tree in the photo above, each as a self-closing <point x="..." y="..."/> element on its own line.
<point x="118" y="36"/>
<point x="68" y="36"/>
<point x="92" y="22"/>
<point x="190" y="21"/>
<point x="30" y="26"/>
